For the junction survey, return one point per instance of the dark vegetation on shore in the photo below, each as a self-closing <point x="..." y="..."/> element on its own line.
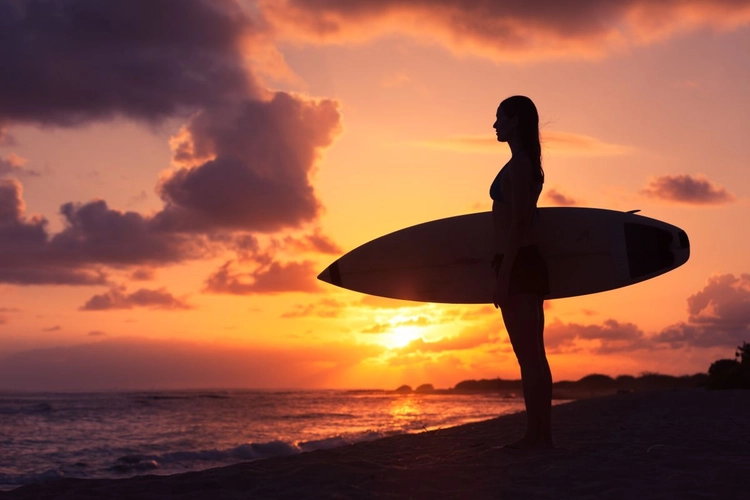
<point x="731" y="373"/>
<point x="722" y="374"/>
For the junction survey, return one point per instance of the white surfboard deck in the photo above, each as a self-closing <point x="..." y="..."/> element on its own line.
<point x="588" y="250"/>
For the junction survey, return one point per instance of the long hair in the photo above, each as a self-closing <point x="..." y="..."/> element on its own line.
<point x="523" y="108"/>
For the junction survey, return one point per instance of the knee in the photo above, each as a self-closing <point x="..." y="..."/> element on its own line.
<point x="526" y="349"/>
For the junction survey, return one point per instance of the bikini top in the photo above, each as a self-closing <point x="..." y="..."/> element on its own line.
<point x="496" y="192"/>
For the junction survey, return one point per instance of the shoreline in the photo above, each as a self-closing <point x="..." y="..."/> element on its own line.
<point x="655" y="444"/>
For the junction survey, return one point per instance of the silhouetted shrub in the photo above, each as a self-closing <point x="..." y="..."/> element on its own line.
<point x="743" y="352"/>
<point x="724" y="374"/>
<point x="597" y="381"/>
<point x="425" y="389"/>
<point x="730" y="373"/>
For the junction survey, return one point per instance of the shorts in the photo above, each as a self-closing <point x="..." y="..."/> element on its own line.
<point x="529" y="273"/>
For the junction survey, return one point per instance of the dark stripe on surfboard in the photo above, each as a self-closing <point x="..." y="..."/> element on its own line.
<point x="335" y="274"/>
<point x="649" y="249"/>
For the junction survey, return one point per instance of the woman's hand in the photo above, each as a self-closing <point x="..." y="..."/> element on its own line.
<point x="500" y="293"/>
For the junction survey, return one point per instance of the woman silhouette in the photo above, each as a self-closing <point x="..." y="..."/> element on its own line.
<point x="522" y="280"/>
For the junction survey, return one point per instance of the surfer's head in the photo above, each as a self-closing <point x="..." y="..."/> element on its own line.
<point x="520" y="112"/>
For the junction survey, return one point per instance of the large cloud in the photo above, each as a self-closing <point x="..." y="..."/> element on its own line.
<point x="244" y="160"/>
<point x="719" y="315"/>
<point x="248" y="165"/>
<point x="511" y="30"/>
<point x="69" y="61"/>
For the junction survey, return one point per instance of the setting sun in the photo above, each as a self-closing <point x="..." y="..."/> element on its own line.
<point x="400" y="336"/>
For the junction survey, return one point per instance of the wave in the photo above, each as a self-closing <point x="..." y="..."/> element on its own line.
<point x="10" y="481"/>
<point x="26" y="409"/>
<point x="195" y="459"/>
<point x="316" y="415"/>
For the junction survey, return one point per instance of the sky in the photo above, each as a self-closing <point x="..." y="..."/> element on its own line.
<point x="175" y="173"/>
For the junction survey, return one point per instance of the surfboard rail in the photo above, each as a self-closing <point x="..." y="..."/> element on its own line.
<point x="588" y="250"/>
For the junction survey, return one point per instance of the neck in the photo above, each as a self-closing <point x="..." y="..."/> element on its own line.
<point x="515" y="145"/>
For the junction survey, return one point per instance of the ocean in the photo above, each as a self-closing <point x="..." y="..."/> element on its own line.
<point x="46" y="436"/>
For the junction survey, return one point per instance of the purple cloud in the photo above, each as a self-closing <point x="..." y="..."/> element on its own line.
<point x="118" y="298"/>
<point x="248" y="165"/>
<point x="559" y="198"/>
<point x="14" y="165"/>
<point x="519" y="31"/>
<point x="94" y="236"/>
<point x="683" y="188"/>
<point x="274" y="278"/>
<point x="719" y="315"/>
<point x="66" y="62"/>
<point x="244" y="159"/>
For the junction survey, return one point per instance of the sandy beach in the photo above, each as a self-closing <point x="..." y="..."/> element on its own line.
<point x="662" y="444"/>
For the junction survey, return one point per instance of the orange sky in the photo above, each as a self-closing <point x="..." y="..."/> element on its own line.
<point x="171" y="186"/>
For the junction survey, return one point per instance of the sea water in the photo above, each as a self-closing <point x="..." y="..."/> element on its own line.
<point x="46" y="436"/>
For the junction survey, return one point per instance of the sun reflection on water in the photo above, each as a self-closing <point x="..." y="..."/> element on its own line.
<point x="405" y="409"/>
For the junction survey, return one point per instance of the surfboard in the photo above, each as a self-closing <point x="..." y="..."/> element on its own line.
<point x="588" y="250"/>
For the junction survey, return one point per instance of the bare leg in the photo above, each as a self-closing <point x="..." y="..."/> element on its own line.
<point x="546" y="393"/>
<point x="524" y="320"/>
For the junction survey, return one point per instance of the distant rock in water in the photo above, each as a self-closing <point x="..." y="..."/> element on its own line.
<point x="425" y="389"/>
<point x="496" y="384"/>
<point x="404" y="389"/>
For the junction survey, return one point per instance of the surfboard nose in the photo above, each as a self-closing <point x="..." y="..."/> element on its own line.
<point x="331" y="274"/>
<point x="325" y="275"/>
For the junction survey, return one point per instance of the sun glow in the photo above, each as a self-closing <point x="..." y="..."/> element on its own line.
<point x="400" y="335"/>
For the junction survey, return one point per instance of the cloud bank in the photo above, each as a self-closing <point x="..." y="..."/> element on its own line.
<point x="505" y="31"/>
<point x="67" y="62"/>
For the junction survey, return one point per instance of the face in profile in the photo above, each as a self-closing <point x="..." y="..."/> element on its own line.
<point x="504" y="126"/>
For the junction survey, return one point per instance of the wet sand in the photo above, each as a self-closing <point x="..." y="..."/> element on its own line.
<point x="663" y="444"/>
